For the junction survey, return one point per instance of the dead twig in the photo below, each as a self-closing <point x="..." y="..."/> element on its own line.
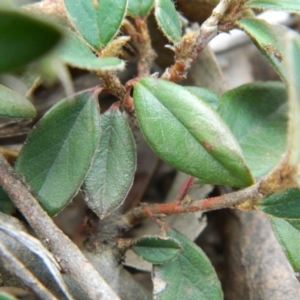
<point x="35" y="246"/>
<point x="69" y="257"/>
<point x="15" y="266"/>
<point x="192" y="44"/>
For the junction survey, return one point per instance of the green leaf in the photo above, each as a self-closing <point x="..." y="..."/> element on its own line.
<point x="284" y="211"/>
<point x="205" y="94"/>
<point x="188" y="134"/>
<point x="30" y="77"/>
<point x="112" y="171"/>
<point x="289" y="5"/>
<point x="5" y="296"/>
<point x="256" y="113"/>
<point x="156" y="249"/>
<point x="14" y="105"/>
<point x="270" y="40"/>
<point x="6" y="206"/>
<point x="140" y="8"/>
<point x="76" y="53"/>
<point x="283" y="205"/>
<point x="289" y="238"/>
<point x="168" y="20"/>
<point x="23" y="39"/>
<point x="189" y="275"/>
<point x="58" y="152"/>
<point x="98" y="21"/>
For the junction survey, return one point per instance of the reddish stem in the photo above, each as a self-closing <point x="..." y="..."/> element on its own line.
<point x="184" y="188"/>
<point x="230" y="200"/>
<point x="128" y="100"/>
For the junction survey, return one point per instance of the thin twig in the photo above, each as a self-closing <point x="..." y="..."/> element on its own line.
<point x="112" y="84"/>
<point x="191" y="45"/>
<point x="12" y="264"/>
<point x="141" y="44"/>
<point x="185" y="188"/>
<point x="69" y="257"/>
<point x="35" y="246"/>
<point x="8" y="153"/>
<point x="243" y="199"/>
<point x="146" y="52"/>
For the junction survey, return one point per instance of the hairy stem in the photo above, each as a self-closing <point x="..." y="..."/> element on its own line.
<point x="146" y="53"/>
<point x="112" y="84"/>
<point x="141" y="44"/>
<point x="191" y="45"/>
<point x="247" y="197"/>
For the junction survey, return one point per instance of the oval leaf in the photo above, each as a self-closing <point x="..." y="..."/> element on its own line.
<point x="205" y="94"/>
<point x="98" y="21"/>
<point x="112" y="171"/>
<point x="257" y="116"/>
<point x="284" y="211"/>
<point x="188" y="134"/>
<point x="23" y="39"/>
<point x="14" y="105"/>
<point x="289" y="5"/>
<point x="140" y="8"/>
<point x="270" y="40"/>
<point x="168" y="20"/>
<point x="189" y="275"/>
<point x="58" y="152"/>
<point x="76" y="53"/>
<point x="156" y="249"/>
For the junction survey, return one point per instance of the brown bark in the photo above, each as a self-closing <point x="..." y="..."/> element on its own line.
<point x="69" y="257"/>
<point x="257" y="268"/>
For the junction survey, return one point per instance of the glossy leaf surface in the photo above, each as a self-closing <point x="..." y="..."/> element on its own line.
<point x="270" y="40"/>
<point x="188" y="134"/>
<point x="59" y="150"/>
<point x="205" y="94"/>
<point x="112" y="171"/>
<point x="23" y="39"/>
<point x="284" y="211"/>
<point x="256" y="113"/>
<point x="168" y="20"/>
<point x="156" y="249"/>
<point x="189" y="275"/>
<point x="98" y="21"/>
<point x="76" y="53"/>
<point x="14" y="105"/>
<point x="289" y="5"/>
<point x="140" y="7"/>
